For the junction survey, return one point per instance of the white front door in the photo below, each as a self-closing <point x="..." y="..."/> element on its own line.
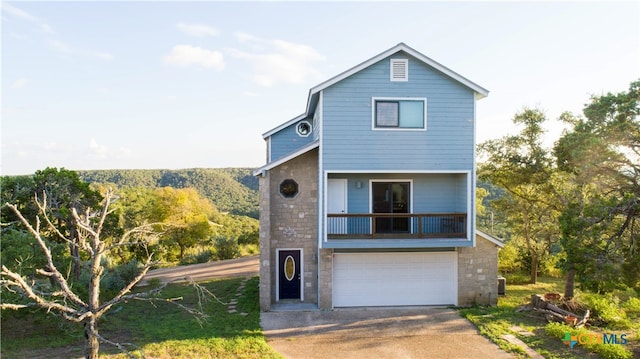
<point x="337" y="204"/>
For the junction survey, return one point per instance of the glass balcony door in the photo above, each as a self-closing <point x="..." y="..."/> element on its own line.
<point x="391" y="197"/>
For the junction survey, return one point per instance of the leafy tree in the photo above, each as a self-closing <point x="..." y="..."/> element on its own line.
<point x="233" y="190"/>
<point x="490" y="219"/>
<point x="18" y="190"/>
<point x="523" y="167"/>
<point x="187" y="216"/>
<point x="245" y="229"/>
<point x="63" y="298"/>
<point x="134" y="207"/>
<point x="600" y="157"/>
<point x="64" y="191"/>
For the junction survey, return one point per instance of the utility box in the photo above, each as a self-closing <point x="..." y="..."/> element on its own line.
<point x="502" y="285"/>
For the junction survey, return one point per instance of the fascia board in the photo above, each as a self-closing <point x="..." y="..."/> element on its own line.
<point x="284" y="125"/>
<point x="480" y="91"/>
<point x="292" y="155"/>
<point x="490" y="238"/>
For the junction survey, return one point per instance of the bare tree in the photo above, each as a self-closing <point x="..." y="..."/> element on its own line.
<point x="60" y="297"/>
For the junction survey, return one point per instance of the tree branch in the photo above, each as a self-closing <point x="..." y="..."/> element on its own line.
<point x="55" y="274"/>
<point x="30" y="293"/>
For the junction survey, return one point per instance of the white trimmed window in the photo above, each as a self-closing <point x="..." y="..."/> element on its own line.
<point x="399" y="70"/>
<point x="399" y="113"/>
<point x="304" y="128"/>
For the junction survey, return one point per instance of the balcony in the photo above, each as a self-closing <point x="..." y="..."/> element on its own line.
<point x="350" y="226"/>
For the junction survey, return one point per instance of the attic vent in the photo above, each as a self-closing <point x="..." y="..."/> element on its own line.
<point x="399" y="70"/>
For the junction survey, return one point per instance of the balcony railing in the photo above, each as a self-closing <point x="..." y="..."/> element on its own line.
<point x="396" y="225"/>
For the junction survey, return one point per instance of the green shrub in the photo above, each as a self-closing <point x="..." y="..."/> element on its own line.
<point x="250" y="237"/>
<point x="113" y="280"/>
<point x="517" y="278"/>
<point x="205" y="256"/>
<point x="632" y="307"/>
<point x="607" y="351"/>
<point x="226" y="247"/>
<point x="202" y="257"/>
<point x="508" y="259"/>
<point x="556" y="329"/>
<point x="20" y="252"/>
<point x="607" y="309"/>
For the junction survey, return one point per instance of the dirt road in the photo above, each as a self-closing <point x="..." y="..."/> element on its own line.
<point x="241" y="267"/>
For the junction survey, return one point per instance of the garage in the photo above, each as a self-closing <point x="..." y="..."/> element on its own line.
<point x="394" y="279"/>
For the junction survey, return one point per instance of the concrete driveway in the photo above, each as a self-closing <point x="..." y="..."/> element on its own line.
<point x="420" y="332"/>
<point x="376" y="333"/>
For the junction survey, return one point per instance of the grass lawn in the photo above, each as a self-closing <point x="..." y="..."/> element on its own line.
<point x="494" y="322"/>
<point x="161" y="330"/>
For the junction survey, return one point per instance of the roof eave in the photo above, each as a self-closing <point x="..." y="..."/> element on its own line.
<point x="490" y="238"/>
<point x="260" y="171"/>
<point x="284" y="125"/>
<point x="480" y="91"/>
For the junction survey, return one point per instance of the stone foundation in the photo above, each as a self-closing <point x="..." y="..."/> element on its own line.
<point x="478" y="274"/>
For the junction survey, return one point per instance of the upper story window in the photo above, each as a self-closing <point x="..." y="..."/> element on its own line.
<point x="399" y="113"/>
<point x="304" y="128"/>
<point x="399" y="70"/>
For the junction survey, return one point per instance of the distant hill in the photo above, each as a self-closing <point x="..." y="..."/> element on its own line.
<point x="233" y="190"/>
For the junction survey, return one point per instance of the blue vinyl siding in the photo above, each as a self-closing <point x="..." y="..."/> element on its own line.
<point x="349" y="143"/>
<point x="432" y="193"/>
<point x="287" y="141"/>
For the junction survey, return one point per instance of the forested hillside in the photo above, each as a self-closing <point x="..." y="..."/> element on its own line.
<point x="233" y="190"/>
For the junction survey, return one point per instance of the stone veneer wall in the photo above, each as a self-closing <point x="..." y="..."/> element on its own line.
<point x="478" y="274"/>
<point x="325" y="279"/>
<point x="289" y="223"/>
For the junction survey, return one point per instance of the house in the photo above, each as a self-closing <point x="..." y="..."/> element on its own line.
<point x="368" y="197"/>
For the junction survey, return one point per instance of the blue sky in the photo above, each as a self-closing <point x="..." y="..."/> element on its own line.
<point x="117" y="85"/>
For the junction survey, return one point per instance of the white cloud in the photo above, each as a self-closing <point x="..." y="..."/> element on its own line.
<point x="197" y="30"/>
<point x="244" y="37"/>
<point x="19" y="13"/>
<point x="47" y="29"/>
<point x="96" y="150"/>
<point x="124" y="152"/>
<point x="187" y="55"/>
<point x="19" y="83"/>
<point x="68" y="50"/>
<point x="60" y="46"/>
<point x="103" y="55"/>
<point x="277" y="61"/>
<point x="18" y="36"/>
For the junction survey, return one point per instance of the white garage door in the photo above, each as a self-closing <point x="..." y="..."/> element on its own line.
<point x="388" y="279"/>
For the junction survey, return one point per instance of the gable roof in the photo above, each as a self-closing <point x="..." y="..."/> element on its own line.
<point x="312" y="99"/>
<point x="490" y="238"/>
<point x="402" y="47"/>
<point x="480" y="91"/>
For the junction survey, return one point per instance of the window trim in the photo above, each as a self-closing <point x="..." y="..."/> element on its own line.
<point x="392" y="65"/>
<point x="304" y="122"/>
<point x="289" y="181"/>
<point x="392" y="180"/>
<point x="397" y="99"/>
